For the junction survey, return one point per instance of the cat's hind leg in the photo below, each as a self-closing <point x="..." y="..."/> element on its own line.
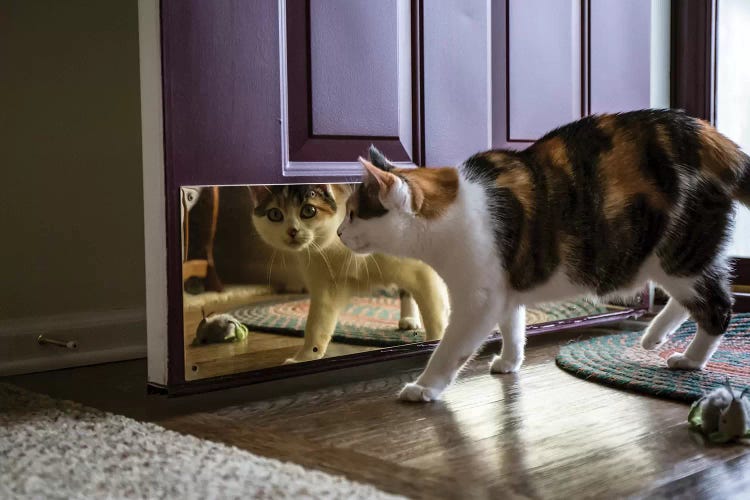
<point x="409" y="319"/>
<point x="513" y="331"/>
<point x="664" y="324"/>
<point x="470" y="325"/>
<point x="711" y="308"/>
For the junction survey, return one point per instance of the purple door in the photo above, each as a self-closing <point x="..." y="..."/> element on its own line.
<point x="277" y="91"/>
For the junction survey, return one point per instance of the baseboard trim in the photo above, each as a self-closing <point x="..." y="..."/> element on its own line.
<point x="102" y="336"/>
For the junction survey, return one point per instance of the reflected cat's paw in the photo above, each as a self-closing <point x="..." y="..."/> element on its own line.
<point x="304" y="355"/>
<point x="415" y="393"/>
<point x="679" y="361"/>
<point x="409" y="323"/>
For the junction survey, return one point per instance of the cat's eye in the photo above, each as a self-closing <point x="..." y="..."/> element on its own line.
<point x="308" y="212"/>
<point x="275" y="215"/>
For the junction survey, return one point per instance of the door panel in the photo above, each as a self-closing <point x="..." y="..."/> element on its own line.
<point x="620" y="34"/>
<point x="457" y="79"/>
<point x="352" y="79"/>
<point x="354" y="92"/>
<point x="220" y="79"/>
<point x="544" y="47"/>
<point x="554" y="61"/>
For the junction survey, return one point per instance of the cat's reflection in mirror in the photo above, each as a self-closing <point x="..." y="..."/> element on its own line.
<point x="301" y="220"/>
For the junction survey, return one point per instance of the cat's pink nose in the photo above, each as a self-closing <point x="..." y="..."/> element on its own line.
<point x="292" y="232"/>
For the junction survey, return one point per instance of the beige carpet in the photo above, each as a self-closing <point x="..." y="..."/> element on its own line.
<point x="60" y="449"/>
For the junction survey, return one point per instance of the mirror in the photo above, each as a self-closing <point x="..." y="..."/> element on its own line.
<point x="266" y="282"/>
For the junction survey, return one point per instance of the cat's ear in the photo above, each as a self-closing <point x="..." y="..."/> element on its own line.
<point x="392" y="190"/>
<point x="375" y="176"/>
<point x="342" y="191"/>
<point x="258" y="194"/>
<point x="379" y="160"/>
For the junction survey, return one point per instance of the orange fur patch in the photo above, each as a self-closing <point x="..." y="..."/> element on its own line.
<point x="607" y="124"/>
<point x="622" y="178"/>
<point x="720" y="157"/>
<point x="554" y="152"/>
<point x="515" y="177"/>
<point x="433" y="190"/>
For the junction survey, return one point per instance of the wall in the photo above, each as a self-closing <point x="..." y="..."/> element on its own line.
<point x="71" y="213"/>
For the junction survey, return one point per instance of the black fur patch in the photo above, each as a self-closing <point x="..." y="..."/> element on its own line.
<point x="369" y="203"/>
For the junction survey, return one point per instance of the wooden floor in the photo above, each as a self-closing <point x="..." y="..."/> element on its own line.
<point x="540" y="434"/>
<point x="259" y="350"/>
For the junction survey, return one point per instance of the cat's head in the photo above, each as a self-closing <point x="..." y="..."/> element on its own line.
<point x="393" y="206"/>
<point x="298" y="217"/>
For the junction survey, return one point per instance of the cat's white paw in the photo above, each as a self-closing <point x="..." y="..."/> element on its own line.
<point x="409" y="323"/>
<point x="500" y="365"/>
<point x="303" y="355"/>
<point x="652" y="340"/>
<point x="416" y="393"/>
<point x="679" y="361"/>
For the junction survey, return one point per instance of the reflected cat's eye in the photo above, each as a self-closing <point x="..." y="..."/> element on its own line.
<point x="275" y="215"/>
<point x="308" y="212"/>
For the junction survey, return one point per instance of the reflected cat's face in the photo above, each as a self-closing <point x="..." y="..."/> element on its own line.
<point x="298" y="217"/>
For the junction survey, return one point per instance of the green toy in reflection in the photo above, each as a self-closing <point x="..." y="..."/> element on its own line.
<point x="219" y="328"/>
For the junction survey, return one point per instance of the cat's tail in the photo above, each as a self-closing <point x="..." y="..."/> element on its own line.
<point x="743" y="188"/>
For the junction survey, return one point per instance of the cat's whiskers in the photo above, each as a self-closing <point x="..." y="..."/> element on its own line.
<point x="308" y="255"/>
<point x="348" y="263"/>
<point x="367" y="270"/>
<point x="375" y="261"/>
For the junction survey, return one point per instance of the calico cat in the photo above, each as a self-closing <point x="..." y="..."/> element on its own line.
<point x="301" y="220"/>
<point x="597" y="207"/>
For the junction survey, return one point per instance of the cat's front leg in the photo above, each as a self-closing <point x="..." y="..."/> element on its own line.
<point x="471" y="321"/>
<point x="325" y="307"/>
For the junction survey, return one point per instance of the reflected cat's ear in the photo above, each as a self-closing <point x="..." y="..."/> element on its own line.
<point x="343" y="191"/>
<point x="258" y="194"/>
<point x="379" y="160"/>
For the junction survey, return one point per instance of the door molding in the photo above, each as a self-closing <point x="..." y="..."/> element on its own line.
<point x="693" y="59"/>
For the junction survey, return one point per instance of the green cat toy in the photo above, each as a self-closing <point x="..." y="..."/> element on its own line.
<point x="217" y="328"/>
<point x="723" y="415"/>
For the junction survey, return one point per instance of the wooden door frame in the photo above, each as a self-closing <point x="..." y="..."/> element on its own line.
<point x="693" y="83"/>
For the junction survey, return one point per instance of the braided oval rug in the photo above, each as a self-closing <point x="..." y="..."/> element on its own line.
<point x="620" y="361"/>
<point x="373" y="320"/>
